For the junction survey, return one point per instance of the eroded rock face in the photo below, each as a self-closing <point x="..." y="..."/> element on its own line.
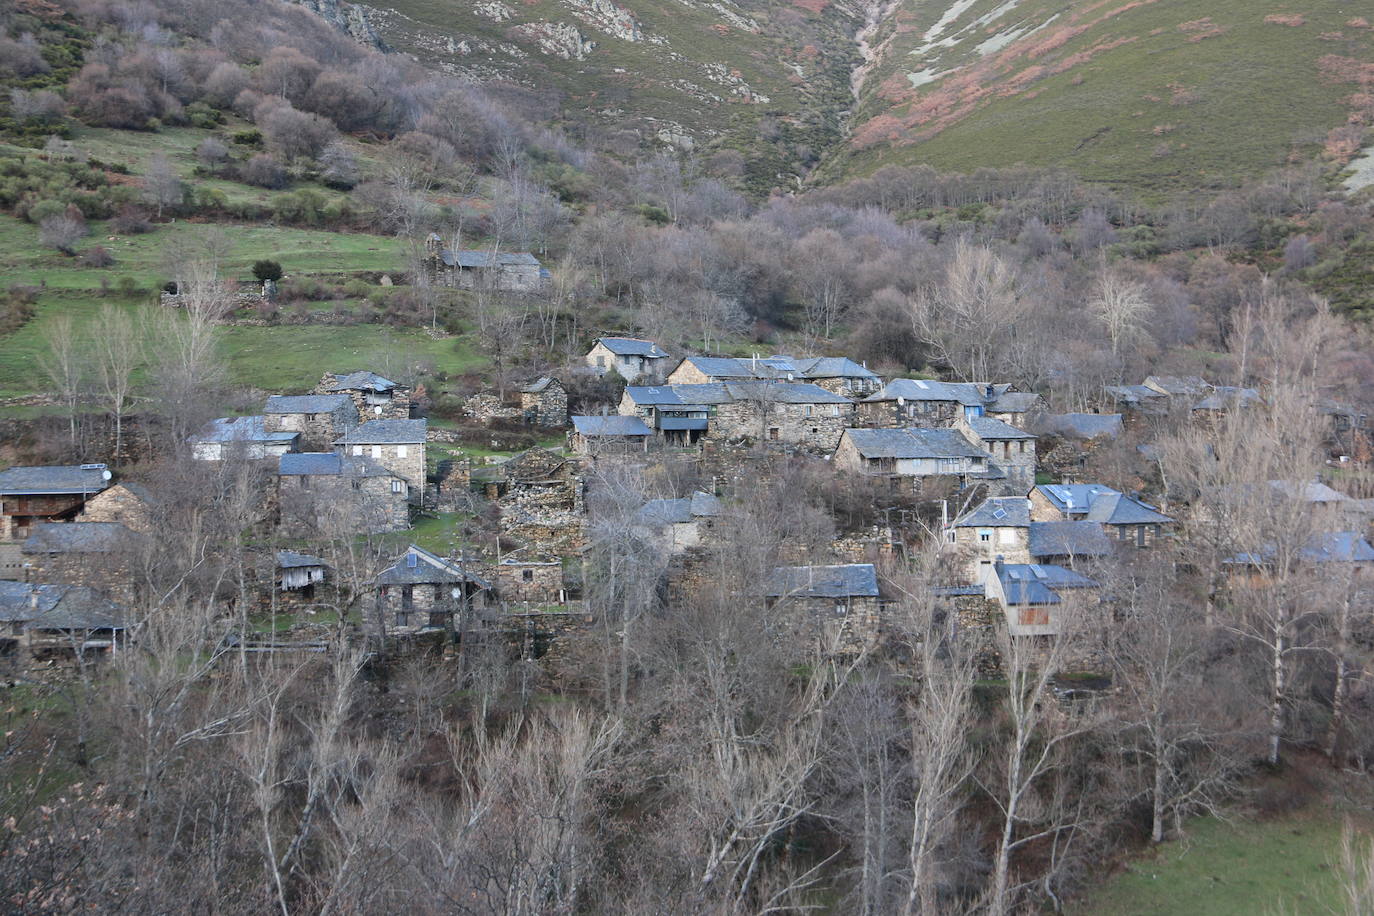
<point x="347" y="18"/>
<point x="557" y="38"/>
<point x="494" y="10"/>
<point x="607" y="17"/>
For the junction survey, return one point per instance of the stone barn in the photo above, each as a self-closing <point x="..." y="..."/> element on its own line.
<point x="319" y="418"/>
<point x="544" y="402"/>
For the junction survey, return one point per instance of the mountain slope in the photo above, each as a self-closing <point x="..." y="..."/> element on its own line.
<point x="1147" y="93"/>
<point x="685" y="73"/>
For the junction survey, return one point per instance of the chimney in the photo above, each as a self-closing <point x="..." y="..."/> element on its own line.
<point x="33" y="598"/>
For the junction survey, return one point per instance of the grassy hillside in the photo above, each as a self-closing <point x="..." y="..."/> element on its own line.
<point x="1144" y="93"/>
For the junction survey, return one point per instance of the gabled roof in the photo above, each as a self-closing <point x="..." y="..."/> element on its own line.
<point x="58" y="607"/>
<point x="1134" y="394"/>
<point x="1014" y="402"/>
<point x="913" y="442"/>
<point x="853" y="580"/>
<point x="1065" y="539"/>
<point x="675" y="395"/>
<point x="990" y="428"/>
<point x="477" y="259"/>
<point x="779" y="392"/>
<point x="543" y="383"/>
<point x="82" y="478"/>
<point x="241" y="429"/>
<point x="679" y="511"/>
<point x="386" y="432"/>
<point x="1172" y="385"/>
<point x="1038" y="583"/>
<point x="427" y="568"/>
<point x="915" y="389"/>
<point x="833" y="367"/>
<point x="362" y="380"/>
<point x="1323" y="547"/>
<point x="612" y="425"/>
<point x="288" y="559"/>
<point x="1227" y="397"/>
<point x="78" y="537"/>
<point x="998" y="512"/>
<point x="307" y="403"/>
<point x="1084" y="425"/>
<point x="632" y="346"/>
<point x="1100" y="503"/>
<point x="1312" y="491"/>
<point x="726" y="368"/>
<point x="1074" y="497"/>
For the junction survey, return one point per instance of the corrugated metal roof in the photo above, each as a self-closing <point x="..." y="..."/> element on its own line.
<point x="913" y="442"/>
<point x="612" y="425"/>
<point x="386" y="432"/>
<point x="307" y="403"/>
<point x="854" y="580"/>
<point x="83" y="478"/>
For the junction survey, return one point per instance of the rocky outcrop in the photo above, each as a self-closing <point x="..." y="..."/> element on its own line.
<point x="346" y="17"/>
<point x="607" y="17"/>
<point x="557" y="38"/>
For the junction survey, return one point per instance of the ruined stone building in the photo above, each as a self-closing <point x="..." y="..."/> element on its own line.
<point x="516" y="271"/>
<point x="530" y="583"/>
<point x="375" y="397"/>
<point x="544" y="402"/>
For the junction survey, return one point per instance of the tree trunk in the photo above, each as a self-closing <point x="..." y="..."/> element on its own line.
<point x="1276" y="700"/>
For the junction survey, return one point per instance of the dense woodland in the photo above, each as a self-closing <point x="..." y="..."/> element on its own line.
<point x="684" y="753"/>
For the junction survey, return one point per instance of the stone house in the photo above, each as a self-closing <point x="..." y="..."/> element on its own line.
<point x="1329" y="550"/>
<point x="56" y="493"/>
<point x="98" y="555"/>
<point x="241" y="438"/>
<point x="1033" y="596"/>
<point x="911" y="453"/>
<point x="1012" y="450"/>
<point x="927" y="402"/>
<point x="840" y="605"/>
<point x="58" y="620"/>
<point x="1189" y="388"/>
<point x="129" y="503"/>
<point x="544" y="402"/>
<point x="375" y="397"/>
<point x="611" y="435"/>
<point x="1222" y="400"/>
<point x="422" y="591"/>
<point x="397" y="445"/>
<point x="1002" y="527"/>
<point x="1018" y="408"/>
<point x="530" y="583"/>
<point x="470" y="269"/>
<point x="319" y="418"/>
<point x="835" y="374"/>
<point x="1126" y="520"/>
<point x="629" y="357"/>
<point x="681" y="523"/>
<point x="1140" y="399"/>
<point x="789" y="413"/>
<point x="329" y="493"/>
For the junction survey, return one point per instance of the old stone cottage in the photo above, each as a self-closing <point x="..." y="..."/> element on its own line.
<point x="469" y="269"/>
<point x="57" y="493"/>
<point x="375" y="397"/>
<point x="835" y="374"/>
<point x="397" y="445"/>
<point x="1012" y="467"/>
<point x="629" y="357"/>
<point x="544" y="402"/>
<point x="319" y="418"/>
<point x="911" y="454"/>
<point x="241" y="438"/>
<point x="1126" y="519"/>
<point x="329" y="493"/>
<point x="422" y="591"/>
<point x="842" y="606"/>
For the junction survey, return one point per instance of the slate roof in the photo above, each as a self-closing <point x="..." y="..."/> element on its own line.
<point x="329" y="464"/>
<point x="853" y="580"/>
<point x="58" y="607"/>
<point x="679" y="395"/>
<point x="678" y="511"/>
<point x="306" y="403"/>
<point x="1323" y="547"/>
<point x="241" y="429"/>
<point x="1038" y="583"/>
<point x="1084" y="425"/>
<point x="991" y="428"/>
<point x="632" y="346"/>
<point x="386" y="432"/>
<point x="77" y="537"/>
<point x="362" y="380"/>
<point x="429" y="568"/>
<point x="1064" y="539"/>
<point x="998" y="512"/>
<point x="710" y="393"/>
<point x="910" y="389"/>
<point x="538" y="385"/>
<point x="1134" y="395"/>
<point x="289" y="559"/>
<point x="1313" y="491"/>
<point x="779" y="367"/>
<point x="1102" y="504"/>
<point x="833" y="367"/>
<point x="612" y="425"/>
<point x="913" y="442"/>
<point x="1226" y="397"/>
<point x="1014" y="402"/>
<point x="84" y="478"/>
<point x="478" y="259"/>
<point x="1177" y="385"/>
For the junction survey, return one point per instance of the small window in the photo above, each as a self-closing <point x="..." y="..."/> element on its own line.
<point x="601" y="362"/>
<point x="402" y="451"/>
<point x="305" y="482"/>
<point x="402" y="618"/>
<point x="357" y="484"/>
<point x="1006" y="536"/>
<point x="834" y="410"/>
<point x="773" y="432"/>
<point x="840" y="609"/>
<point x="376" y="451"/>
<point x="527" y="575"/>
<point x="398" y="486"/>
<point x="809" y="410"/>
<point x="357" y="449"/>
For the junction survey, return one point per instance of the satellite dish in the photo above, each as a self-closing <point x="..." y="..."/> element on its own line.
<point x="105" y="474"/>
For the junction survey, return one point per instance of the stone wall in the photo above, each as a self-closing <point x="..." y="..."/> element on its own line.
<point x="815" y="427"/>
<point x="405" y="460"/>
<point x="331" y="504"/>
<point x="547" y="408"/>
<point x="890" y="414"/>
<point x="118" y="504"/>
<point x="318" y="430"/>
<point x="529" y="582"/>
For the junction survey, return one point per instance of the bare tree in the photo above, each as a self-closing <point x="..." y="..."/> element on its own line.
<point x="65" y="366"/>
<point x="1121" y="305"/>
<point x="118" y="353"/>
<point x="162" y="184"/>
<point x="970" y="315"/>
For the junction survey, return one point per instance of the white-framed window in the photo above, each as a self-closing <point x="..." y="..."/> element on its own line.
<point x="376" y="451"/>
<point x="834" y="410"/>
<point x="398" y="486"/>
<point x="808" y="410"/>
<point x="1006" y="536"/>
<point x="357" y="449"/>
<point x="985" y="535"/>
<point x="402" y="451"/>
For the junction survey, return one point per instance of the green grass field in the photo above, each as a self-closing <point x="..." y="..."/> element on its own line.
<point x="1288" y="865"/>
<point x="1154" y="96"/>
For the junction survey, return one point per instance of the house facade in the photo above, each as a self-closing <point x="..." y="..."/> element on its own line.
<point x="56" y="493"/>
<point x="842" y="606"/>
<point x="422" y="591"/>
<point x="374" y="397"/>
<point x="912" y="453"/>
<point x="629" y="357"/>
<point x="1012" y="450"/>
<point x="516" y="271"/>
<point x="1125" y="519"/>
<point x="241" y="438"/>
<point x="329" y="493"/>
<point x="1034" y="597"/>
<point x="835" y="374"/>
<point x="788" y="413"/>
<point x="318" y="418"/>
<point x="544" y="402"/>
<point x="397" y="445"/>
